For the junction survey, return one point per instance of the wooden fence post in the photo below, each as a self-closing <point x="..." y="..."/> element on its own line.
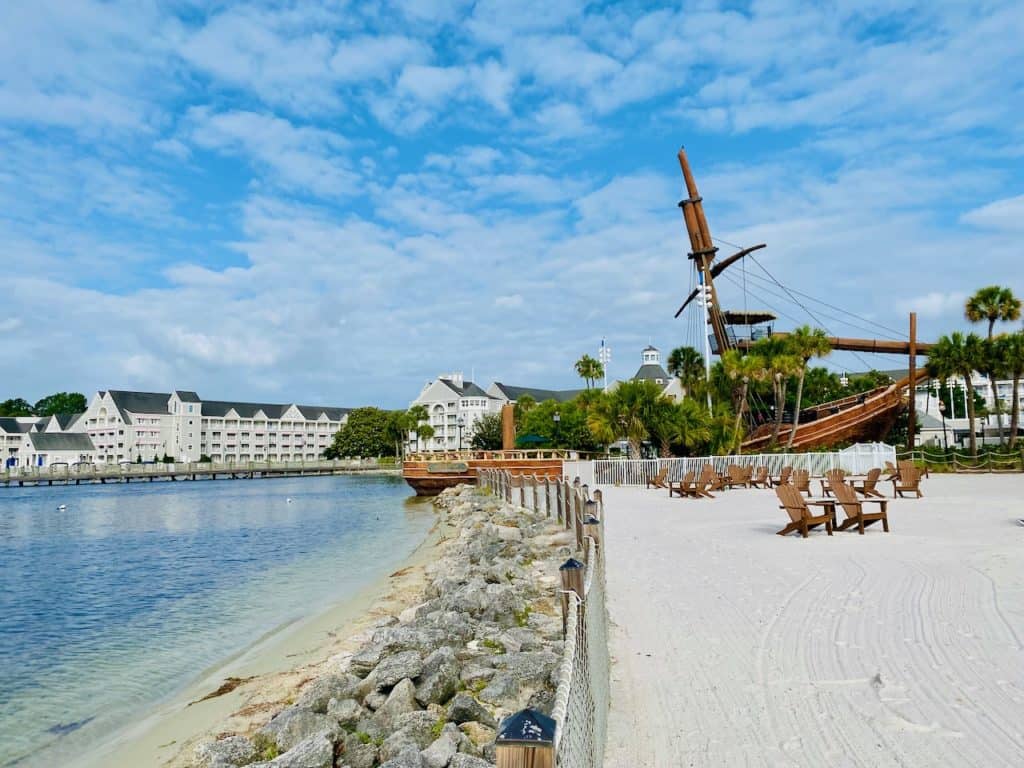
<point x="526" y="740"/>
<point x="571" y="573"/>
<point x="547" y="496"/>
<point x="536" y="482"/>
<point x="592" y="525"/>
<point x="599" y="498"/>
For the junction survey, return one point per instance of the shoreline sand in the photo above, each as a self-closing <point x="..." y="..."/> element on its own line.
<point x="278" y="663"/>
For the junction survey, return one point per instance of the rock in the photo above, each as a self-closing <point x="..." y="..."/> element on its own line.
<point x="293" y="725"/>
<point x="542" y="701"/>
<point x="408" y="757"/>
<point x="409" y="638"/>
<point x="503" y="689"/>
<point x="375" y="700"/>
<point x="503" y="605"/>
<point x="464" y="708"/>
<point x="468" y="761"/>
<point x="440" y="677"/>
<point x="317" y="751"/>
<point x="509" y="534"/>
<point x="233" y="750"/>
<point x="440" y="752"/>
<point x="368" y="657"/>
<point x="397" y="667"/>
<point x="416" y="728"/>
<point x="346" y="712"/>
<point x="400" y="701"/>
<point x="473" y="674"/>
<point x="318" y="693"/>
<point x="358" y="752"/>
<point x="478" y="734"/>
<point x="529" y="667"/>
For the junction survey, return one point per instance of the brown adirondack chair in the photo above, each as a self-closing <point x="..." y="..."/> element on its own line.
<point x="685" y="488"/>
<point x="737" y="476"/>
<point x="783" y="478"/>
<point x="761" y="479"/>
<point x="709" y="481"/>
<point x="801" y="518"/>
<point x="893" y="470"/>
<point x="801" y="480"/>
<point x="909" y="481"/>
<point x="868" y="486"/>
<point x="658" y="481"/>
<point x="748" y="474"/>
<point x="856" y="514"/>
<point x="832" y="477"/>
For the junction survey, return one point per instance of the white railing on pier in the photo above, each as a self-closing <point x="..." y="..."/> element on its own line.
<point x="581" y="700"/>
<point x="857" y="459"/>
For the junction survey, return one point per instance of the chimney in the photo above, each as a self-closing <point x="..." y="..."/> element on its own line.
<point x="457" y="378"/>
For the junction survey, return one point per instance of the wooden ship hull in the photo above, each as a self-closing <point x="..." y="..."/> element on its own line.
<point x="430" y="473"/>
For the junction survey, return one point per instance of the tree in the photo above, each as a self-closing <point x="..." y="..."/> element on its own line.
<point x="61" y="402"/>
<point x="958" y="355"/>
<point x="693" y="431"/>
<point x="687" y="365"/>
<point x="571" y="430"/>
<point x="620" y="414"/>
<point x="397" y="429"/>
<point x="366" y="433"/>
<point x="993" y="303"/>
<point x="805" y="342"/>
<point x="426" y="432"/>
<point x="523" y="406"/>
<point x="486" y="433"/>
<point x="414" y="418"/>
<point x="1013" y="354"/>
<point x="15" y="406"/>
<point x="744" y="369"/>
<point x="781" y="363"/>
<point x="589" y="369"/>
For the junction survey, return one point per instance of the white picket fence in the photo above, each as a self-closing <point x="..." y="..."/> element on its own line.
<point x="856" y="459"/>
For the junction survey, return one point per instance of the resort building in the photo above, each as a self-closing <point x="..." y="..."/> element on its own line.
<point x="652" y="370"/>
<point x="507" y="393"/>
<point x="453" y="406"/>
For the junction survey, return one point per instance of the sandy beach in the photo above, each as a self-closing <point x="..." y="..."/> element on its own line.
<point x="278" y="665"/>
<point x="733" y="646"/>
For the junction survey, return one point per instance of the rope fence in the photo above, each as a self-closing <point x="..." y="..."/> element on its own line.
<point x="574" y="736"/>
<point x="956" y="461"/>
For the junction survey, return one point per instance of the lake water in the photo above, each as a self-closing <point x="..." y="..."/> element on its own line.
<point x="128" y="594"/>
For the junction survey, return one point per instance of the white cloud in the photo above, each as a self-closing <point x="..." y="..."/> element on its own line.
<point x="1006" y="214"/>
<point x="936" y="303"/>
<point x="514" y="301"/>
<point x="365" y="57"/>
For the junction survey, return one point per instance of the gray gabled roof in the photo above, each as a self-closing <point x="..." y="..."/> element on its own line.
<point x="66" y="420"/>
<point x="12" y="426"/>
<point x="139" y="402"/>
<point x="313" y="412"/>
<point x="186" y="396"/>
<point x="539" y="395"/>
<point x="244" y="410"/>
<point x="61" y="441"/>
<point x="650" y="372"/>
<point x="468" y="388"/>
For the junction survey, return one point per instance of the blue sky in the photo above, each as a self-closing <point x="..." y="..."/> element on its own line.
<point x="334" y="202"/>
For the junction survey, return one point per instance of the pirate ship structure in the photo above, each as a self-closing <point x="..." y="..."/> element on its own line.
<point x="866" y="416"/>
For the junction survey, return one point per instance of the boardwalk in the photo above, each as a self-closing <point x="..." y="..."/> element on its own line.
<point x="734" y="647"/>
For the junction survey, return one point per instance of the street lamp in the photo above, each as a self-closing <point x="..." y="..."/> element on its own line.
<point x="461" y="422"/>
<point x="942" y="411"/>
<point x="557" y="418"/>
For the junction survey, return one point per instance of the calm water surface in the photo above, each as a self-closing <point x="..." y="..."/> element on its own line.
<point x="128" y="594"/>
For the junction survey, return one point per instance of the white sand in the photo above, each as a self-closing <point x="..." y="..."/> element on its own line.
<point x="733" y="646"/>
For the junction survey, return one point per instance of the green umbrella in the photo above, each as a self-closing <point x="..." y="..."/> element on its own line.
<point x="531" y="440"/>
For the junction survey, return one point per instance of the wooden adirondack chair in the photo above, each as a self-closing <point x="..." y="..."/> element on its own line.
<point x="658" y="481"/>
<point x="800" y="516"/>
<point x="761" y="479"/>
<point x="855" y="511"/>
<point x="709" y="481"/>
<point x="685" y="488"/>
<point x="909" y="481"/>
<point x="832" y="477"/>
<point x="893" y="470"/>
<point x="783" y="478"/>
<point x="867" y="486"/>
<point x="737" y="476"/>
<point x="801" y="480"/>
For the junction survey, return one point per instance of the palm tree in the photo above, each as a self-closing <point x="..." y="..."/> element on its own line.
<point x="1013" y="354"/>
<point x="415" y="416"/>
<point x="993" y="303"/>
<point x="693" y="428"/>
<point x="687" y="365"/>
<point x="805" y="342"/>
<point x="742" y="368"/>
<point x="425" y="431"/>
<point x="523" y="406"/>
<point x="621" y="413"/>
<point x="781" y="363"/>
<point x="958" y="355"/>
<point x="589" y="369"/>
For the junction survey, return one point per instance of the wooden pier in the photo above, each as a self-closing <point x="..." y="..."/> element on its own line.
<point x="82" y="474"/>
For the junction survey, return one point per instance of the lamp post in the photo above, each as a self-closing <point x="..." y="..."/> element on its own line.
<point x="461" y="422"/>
<point x="942" y="411"/>
<point x="557" y="418"/>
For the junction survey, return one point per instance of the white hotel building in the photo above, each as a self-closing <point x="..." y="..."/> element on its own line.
<point x="123" y="426"/>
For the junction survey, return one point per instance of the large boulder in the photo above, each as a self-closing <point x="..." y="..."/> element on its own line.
<point x="478" y="734"/>
<point x="318" y="693"/>
<point x="293" y="725"/>
<point x="346" y="712"/>
<point x="401" y="701"/>
<point x="392" y="669"/>
<point x="368" y="657"/>
<point x="468" y="761"/>
<point x="534" y="667"/>
<point x="415" y="728"/>
<point x="232" y="750"/>
<point x="440" y="752"/>
<point x="439" y="678"/>
<point x="464" y="708"/>
<point x="317" y="751"/>
<point x="408" y="757"/>
<point x="359" y="752"/>
<point x="409" y="638"/>
<point x="502" y="690"/>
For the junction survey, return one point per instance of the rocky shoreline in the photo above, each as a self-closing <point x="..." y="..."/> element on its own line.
<point x="430" y="686"/>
